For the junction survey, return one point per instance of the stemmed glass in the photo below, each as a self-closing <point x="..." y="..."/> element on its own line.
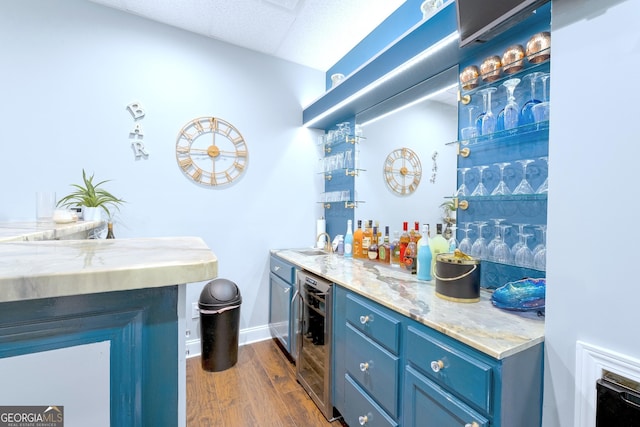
<point x="479" y="247"/>
<point x="526" y="114"/>
<point x="524" y="256"/>
<point x="544" y="187"/>
<point x="465" y="244"/>
<point x="524" y="187"/>
<point x="496" y="238"/>
<point x="501" y="189"/>
<point x="520" y="242"/>
<point x="541" y="110"/>
<point x="471" y="131"/>
<point x="463" y="190"/>
<point x="480" y="189"/>
<point x="511" y="110"/>
<point x="540" y="251"/>
<point x="502" y="253"/>
<point x="488" y="120"/>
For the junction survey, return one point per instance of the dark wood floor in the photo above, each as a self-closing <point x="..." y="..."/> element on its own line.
<point x="259" y="391"/>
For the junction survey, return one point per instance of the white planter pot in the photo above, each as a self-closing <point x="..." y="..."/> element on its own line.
<point x="91" y="214"/>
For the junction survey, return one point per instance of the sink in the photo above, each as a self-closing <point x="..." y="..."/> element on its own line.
<point x="311" y="252"/>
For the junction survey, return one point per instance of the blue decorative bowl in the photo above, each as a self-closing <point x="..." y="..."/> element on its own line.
<point x="521" y="295"/>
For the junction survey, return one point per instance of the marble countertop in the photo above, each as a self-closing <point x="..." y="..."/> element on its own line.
<point x="32" y="231"/>
<point x="54" y="268"/>
<point x="495" y="332"/>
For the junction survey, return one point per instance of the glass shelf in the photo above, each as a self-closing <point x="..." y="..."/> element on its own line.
<point x="327" y="141"/>
<point x="509" y="198"/>
<point x="531" y="130"/>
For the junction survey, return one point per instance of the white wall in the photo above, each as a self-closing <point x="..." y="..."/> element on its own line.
<point x="592" y="292"/>
<point x="69" y="69"/>
<point x="424" y="128"/>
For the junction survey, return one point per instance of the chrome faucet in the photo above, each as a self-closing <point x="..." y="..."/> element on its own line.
<point x="327" y="244"/>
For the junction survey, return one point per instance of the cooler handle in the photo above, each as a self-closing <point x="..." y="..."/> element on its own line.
<point x="444" y="279"/>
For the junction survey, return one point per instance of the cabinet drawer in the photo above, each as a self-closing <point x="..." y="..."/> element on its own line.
<point x="458" y="371"/>
<point x="374" y="368"/>
<point x="372" y="322"/>
<point x="283" y="269"/>
<point x="428" y="405"/>
<point x="361" y="410"/>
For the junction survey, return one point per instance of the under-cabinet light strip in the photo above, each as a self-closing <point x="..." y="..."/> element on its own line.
<point x="410" y="104"/>
<point x="391" y="74"/>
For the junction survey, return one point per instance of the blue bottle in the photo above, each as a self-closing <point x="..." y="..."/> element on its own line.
<point x="424" y="256"/>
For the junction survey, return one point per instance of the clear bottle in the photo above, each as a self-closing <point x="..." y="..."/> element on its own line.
<point x="348" y="241"/>
<point x="357" y="241"/>
<point x="438" y="245"/>
<point x="416" y="232"/>
<point x="373" y="247"/>
<point x="395" y="248"/>
<point x="410" y="257"/>
<point x="384" y="249"/>
<point x="453" y="242"/>
<point x="424" y="256"/>
<point x="404" y="241"/>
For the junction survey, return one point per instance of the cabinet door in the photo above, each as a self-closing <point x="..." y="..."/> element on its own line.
<point x="279" y="310"/>
<point x="425" y="404"/>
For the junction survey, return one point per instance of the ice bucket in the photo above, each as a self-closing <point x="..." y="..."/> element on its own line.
<point x="457" y="277"/>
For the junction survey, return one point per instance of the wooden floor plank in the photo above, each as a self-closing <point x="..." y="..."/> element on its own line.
<point x="259" y="391"/>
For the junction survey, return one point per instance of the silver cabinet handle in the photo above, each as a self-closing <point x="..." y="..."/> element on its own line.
<point x="436" y="366"/>
<point x="366" y="319"/>
<point x="473" y="424"/>
<point x="276" y="268"/>
<point x="363" y="419"/>
<point x="364" y="366"/>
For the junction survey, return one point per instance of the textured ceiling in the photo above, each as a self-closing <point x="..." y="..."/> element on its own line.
<point x="315" y="33"/>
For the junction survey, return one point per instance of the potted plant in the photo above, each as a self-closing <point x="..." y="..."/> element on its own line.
<point x="90" y="195"/>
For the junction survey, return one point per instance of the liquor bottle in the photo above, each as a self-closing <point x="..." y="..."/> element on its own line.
<point x="410" y="257"/>
<point x="373" y="247"/>
<point x="384" y="249"/>
<point x="357" y="241"/>
<point x="366" y="240"/>
<point x="438" y="245"/>
<point x="416" y="232"/>
<point x="404" y="241"/>
<point x="395" y="248"/>
<point x="424" y="256"/>
<point x="110" y="234"/>
<point x="348" y="241"/>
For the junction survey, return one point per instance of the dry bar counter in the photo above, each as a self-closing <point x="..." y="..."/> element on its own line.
<point x="126" y="296"/>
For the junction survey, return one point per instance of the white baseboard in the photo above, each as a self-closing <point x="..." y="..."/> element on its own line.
<point x="247" y="336"/>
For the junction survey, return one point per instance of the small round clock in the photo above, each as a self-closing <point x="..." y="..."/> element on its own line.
<point x="211" y="151"/>
<point x="402" y="171"/>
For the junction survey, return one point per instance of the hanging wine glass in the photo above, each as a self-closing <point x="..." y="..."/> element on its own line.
<point x="463" y="191"/>
<point x="524" y="256"/>
<point x="501" y="189"/>
<point x="491" y="247"/>
<point x="540" y="251"/>
<point x="480" y="189"/>
<point x="524" y="187"/>
<point x="465" y="243"/>
<point x="470" y="131"/>
<point x="526" y="114"/>
<point x="488" y="120"/>
<point x="479" y="247"/>
<point x="511" y="110"/>
<point x="520" y="241"/>
<point x="544" y="187"/>
<point x="502" y="253"/>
